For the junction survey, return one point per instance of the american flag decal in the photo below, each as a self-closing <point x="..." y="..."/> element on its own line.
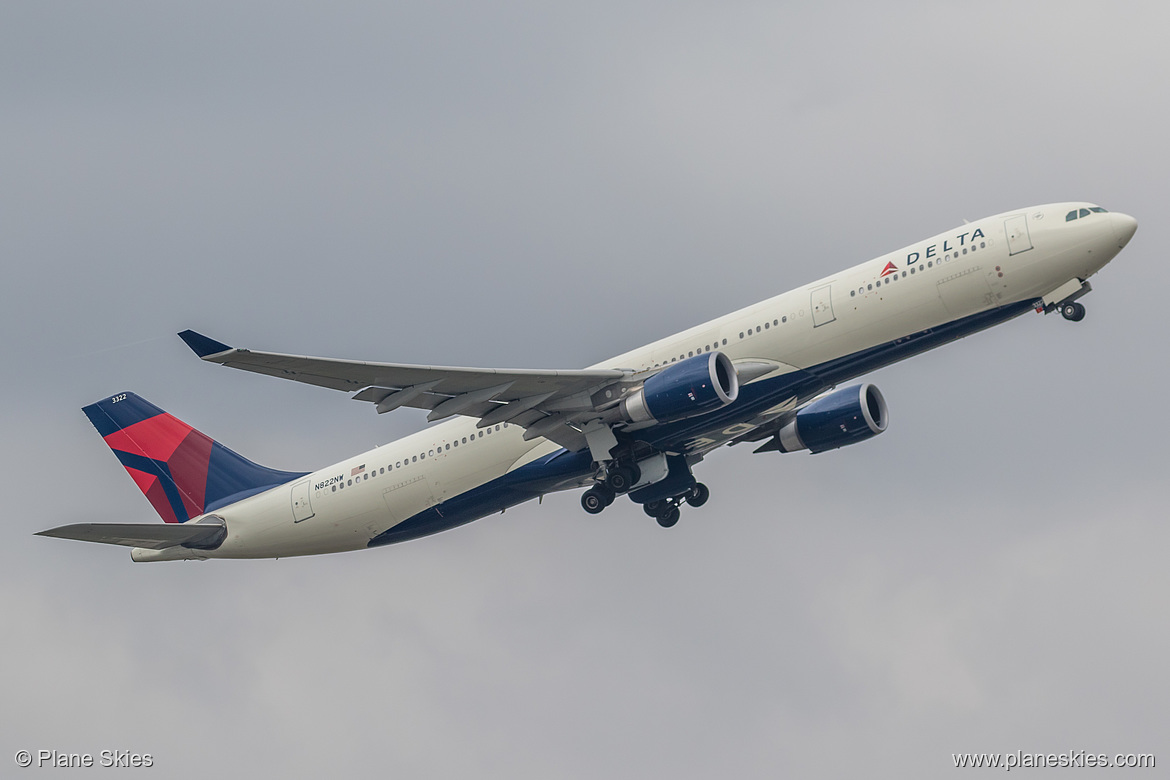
<point x="357" y="470"/>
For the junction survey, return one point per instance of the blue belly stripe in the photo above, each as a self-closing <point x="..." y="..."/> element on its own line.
<point x="563" y="470"/>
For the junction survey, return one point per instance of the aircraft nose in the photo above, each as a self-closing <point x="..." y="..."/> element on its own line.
<point x="1124" y="226"/>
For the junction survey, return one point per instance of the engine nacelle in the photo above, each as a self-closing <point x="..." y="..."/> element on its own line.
<point x="688" y="388"/>
<point x="847" y="416"/>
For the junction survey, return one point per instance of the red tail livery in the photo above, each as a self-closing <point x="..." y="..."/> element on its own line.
<point x="182" y="472"/>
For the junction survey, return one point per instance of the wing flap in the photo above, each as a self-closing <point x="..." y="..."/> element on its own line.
<point x="200" y="536"/>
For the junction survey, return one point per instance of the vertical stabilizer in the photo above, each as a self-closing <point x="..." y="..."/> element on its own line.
<point x="182" y="472"/>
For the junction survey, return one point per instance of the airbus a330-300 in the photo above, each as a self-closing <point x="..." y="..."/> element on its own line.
<point x="636" y="425"/>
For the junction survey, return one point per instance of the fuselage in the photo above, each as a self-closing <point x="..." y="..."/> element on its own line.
<point x="788" y="349"/>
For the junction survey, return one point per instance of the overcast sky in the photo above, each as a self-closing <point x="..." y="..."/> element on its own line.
<point x="526" y="185"/>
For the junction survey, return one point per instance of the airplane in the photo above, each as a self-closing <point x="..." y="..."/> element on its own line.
<point x="636" y="425"/>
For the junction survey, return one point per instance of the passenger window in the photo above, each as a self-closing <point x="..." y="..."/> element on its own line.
<point x="766" y="326"/>
<point x="784" y="319"/>
<point x="741" y="334"/>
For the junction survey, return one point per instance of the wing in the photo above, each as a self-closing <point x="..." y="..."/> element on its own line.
<point x="153" y="536"/>
<point x="552" y="404"/>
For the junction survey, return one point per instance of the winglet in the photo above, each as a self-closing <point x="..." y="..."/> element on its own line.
<point x="201" y="345"/>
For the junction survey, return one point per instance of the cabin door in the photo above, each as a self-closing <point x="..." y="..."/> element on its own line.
<point x="822" y="306"/>
<point x="1018" y="238"/>
<point x="301" y="508"/>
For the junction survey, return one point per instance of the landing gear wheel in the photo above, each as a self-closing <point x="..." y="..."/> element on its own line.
<point x="594" y="500"/>
<point x="623" y="478"/>
<point x="698" y="495"/>
<point x="608" y="493"/>
<point x="668" y="518"/>
<point x="1072" y="311"/>
<point x="654" y="508"/>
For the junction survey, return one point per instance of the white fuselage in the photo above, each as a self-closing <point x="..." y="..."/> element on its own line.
<point x="1019" y="256"/>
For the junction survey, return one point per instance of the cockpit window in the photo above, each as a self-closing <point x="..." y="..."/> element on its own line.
<point x="1074" y="214"/>
<point x="1085" y="212"/>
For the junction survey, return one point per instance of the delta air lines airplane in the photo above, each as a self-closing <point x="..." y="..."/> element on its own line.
<point x="636" y="425"/>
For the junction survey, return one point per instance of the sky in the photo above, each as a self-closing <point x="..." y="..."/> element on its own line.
<point x="543" y="186"/>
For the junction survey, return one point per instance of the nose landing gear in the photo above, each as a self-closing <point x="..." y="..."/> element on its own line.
<point x="1072" y="311"/>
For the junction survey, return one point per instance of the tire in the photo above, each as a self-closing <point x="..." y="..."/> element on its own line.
<point x="1072" y="311"/>
<point x="593" y="501"/>
<point x="620" y="479"/>
<point x="669" y="518"/>
<point x="635" y="474"/>
<point x="609" y="495"/>
<point x="698" y="495"/>
<point x="654" y="508"/>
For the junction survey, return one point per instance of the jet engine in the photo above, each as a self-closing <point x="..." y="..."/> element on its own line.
<point x="685" y="389"/>
<point x="846" y="416"/>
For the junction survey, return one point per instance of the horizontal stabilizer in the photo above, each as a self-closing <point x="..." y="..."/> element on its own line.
<point x="199" y="536"/>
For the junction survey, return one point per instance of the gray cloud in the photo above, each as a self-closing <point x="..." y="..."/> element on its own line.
<point x="533" y="186"/>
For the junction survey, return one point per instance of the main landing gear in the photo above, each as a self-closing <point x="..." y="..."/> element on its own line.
<point x="669" y="485"/>
<point x="1072" y="311"/>
<point x="666" y="511"/>
<point x="618" y="480"/>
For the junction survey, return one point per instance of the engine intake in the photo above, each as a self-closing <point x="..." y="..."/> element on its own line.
<point x="846" y="416"/>
<point x="688" y="388"/>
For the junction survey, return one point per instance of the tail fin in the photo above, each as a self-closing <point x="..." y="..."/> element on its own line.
<point x="182" y="472"/>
